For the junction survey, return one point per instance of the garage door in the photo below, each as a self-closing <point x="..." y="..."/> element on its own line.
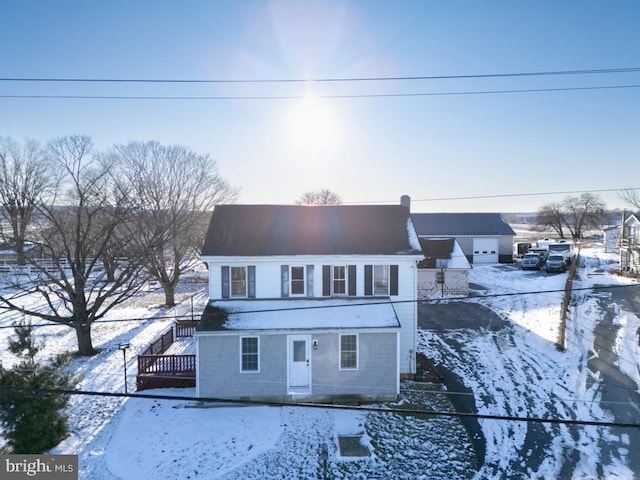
<point x="485" y="250"/>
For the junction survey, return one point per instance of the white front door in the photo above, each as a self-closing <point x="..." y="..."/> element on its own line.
<point x="299" y="361"/>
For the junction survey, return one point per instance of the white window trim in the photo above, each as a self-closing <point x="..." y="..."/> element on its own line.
<point x="346" y="281"/>
<point x="373" y="281"/>
<point x="258" y="353"/>
<point x="246" y="281"/>
<point x="304" y="281"/>
<point x="357" y="367"/>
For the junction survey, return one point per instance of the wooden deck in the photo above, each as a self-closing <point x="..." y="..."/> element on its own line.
<point x="170" y="361"/>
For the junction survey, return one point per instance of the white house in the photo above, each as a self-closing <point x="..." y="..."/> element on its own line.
<point x="630" y="245"/>
<point x="308" y="302"/>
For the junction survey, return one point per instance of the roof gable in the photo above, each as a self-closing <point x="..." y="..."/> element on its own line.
<point x="267" y="230"/>
<point x="457" y="224"/>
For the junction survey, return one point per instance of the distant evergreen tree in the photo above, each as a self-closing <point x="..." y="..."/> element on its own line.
<point x="33" y="421"/>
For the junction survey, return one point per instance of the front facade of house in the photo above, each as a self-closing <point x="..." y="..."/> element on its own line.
<point x="483" y="237"/>
<point x="308" y="302"/>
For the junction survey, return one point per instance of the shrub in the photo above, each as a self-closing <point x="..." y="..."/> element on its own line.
<point x="32" y="416"/>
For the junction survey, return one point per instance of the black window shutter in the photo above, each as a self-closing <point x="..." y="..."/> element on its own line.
<point x="393" y="281"/>
<point x="251" y="285"/>
<point x="224" y="281"/>
<point x="309" y="280"/>
<point x="368" y="280"/>
<point x="284" y="274"/>
<point x="326" y="280"/>
<point x="352" y="281"/>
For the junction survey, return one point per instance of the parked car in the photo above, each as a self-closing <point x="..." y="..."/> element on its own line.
<point x="565" y="247"/>
<point x="532" y="261"/>
<point x="556" y="262"/>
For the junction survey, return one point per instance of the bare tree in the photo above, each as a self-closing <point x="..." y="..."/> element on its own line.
<point x="87" y="217"/>
<point x="176" y="189"/>
<point x="551" y="217"/>
<point x="25" y="177"/>
<point x="631" y="196"/>
<point x="583" y="212"/>
<point x="319" y="197"/>
<point x="574" y="214"/>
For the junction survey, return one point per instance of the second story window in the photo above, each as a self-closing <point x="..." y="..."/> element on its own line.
<point x="339" y="280"/>
<point x="381" y="280"/>
<point x="238" y="281"/>
<point x="297" y="281"/>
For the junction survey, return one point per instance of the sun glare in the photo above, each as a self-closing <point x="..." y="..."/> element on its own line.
<point x="313" y="124"/>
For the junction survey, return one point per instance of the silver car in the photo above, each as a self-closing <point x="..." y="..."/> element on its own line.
<point x="532" y="261"/>
<point x="556" y="263"/>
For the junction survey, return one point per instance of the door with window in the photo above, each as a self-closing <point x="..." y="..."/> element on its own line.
<point x="299" y="362"/>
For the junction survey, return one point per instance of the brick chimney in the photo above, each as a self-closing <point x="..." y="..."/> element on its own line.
<point x="405" y="201"/>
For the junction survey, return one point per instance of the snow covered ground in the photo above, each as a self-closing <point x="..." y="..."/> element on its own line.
<point x="518" y="371"/>
<point x="514" y="371"/>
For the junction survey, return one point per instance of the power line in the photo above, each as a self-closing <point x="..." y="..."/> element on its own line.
<point x="352" y="304"/>
<point x="324" y="80"/>
<point x="401" y="411"/>
<point x="505" y="195"/>
<point x="298" y="97"/>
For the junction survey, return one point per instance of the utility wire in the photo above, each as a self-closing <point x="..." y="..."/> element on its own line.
<point x="297" y="97"/>
<point x="325" y="80"/>
<point x="401" y="411"/>
<point x="507" y="195"/>
<point x="374" y="301"/>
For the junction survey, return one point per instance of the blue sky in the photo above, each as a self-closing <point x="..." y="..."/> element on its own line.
<point x="365" y="149"/>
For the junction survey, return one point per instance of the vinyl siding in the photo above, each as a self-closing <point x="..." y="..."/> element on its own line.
<point x="268" y="285"/>
<point x="376" y="373"/>
<point x="219" y="374"/>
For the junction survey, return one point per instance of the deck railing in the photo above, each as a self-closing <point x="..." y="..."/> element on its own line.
<point x="156" y="370"/>
<point x="170" y="365"/>
<point x="160" y="345"/>
<point x="186" y="328"/>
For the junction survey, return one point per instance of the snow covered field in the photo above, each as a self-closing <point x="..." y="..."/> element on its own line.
<point x="514" y="371"/>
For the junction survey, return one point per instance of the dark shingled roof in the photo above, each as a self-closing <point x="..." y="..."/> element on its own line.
<point x="434" y="248"/>
<point x="456" y="224"/>
<point x="251" y="230"/>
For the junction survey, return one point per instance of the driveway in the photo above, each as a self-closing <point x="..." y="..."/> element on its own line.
<point x="457" y="324"/>
<point x="446" y="317"/>
<point x="619" y="392"/>
<point x="450" y="331"/>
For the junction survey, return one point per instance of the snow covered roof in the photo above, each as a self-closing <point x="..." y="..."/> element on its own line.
<point x="261" y="230"/>
<point x="456" y="224"/>
<point x="448" y="248"/>
<point x="298" y="314"/>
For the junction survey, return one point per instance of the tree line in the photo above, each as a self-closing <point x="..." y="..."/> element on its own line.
<point x="89" y="228"/>
<point x="575" y="215"/>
